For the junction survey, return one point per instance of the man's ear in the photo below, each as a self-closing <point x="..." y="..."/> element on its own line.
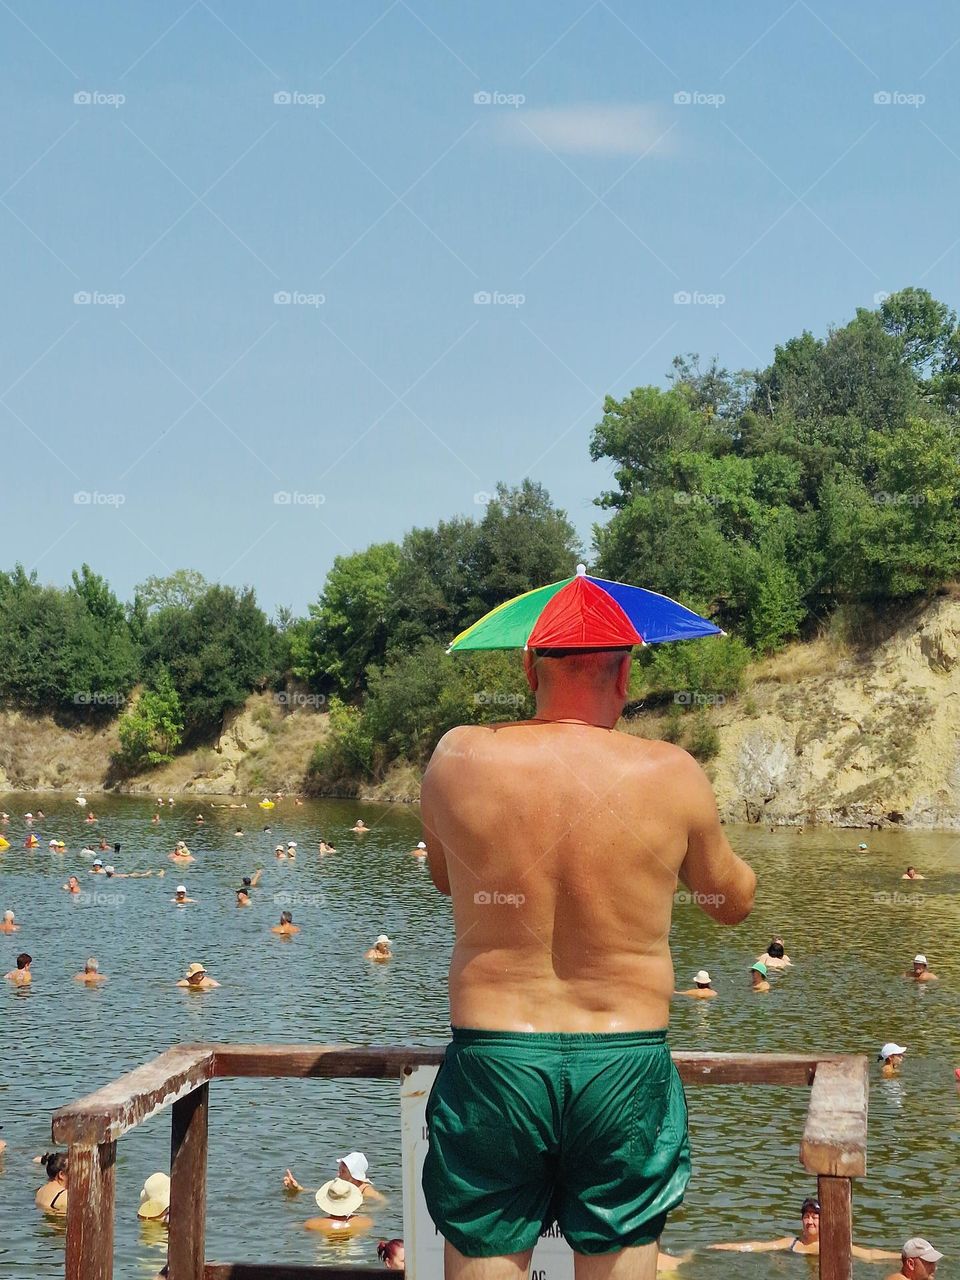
<point x="530" y="669"/>
<point x="623" y="676"/>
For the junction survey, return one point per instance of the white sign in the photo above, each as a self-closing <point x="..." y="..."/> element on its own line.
<point x="422" y="1241"/>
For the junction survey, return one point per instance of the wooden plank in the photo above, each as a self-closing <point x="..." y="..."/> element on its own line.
<point x="836" y="1228"/>
<point x="188" y="1185"/>
<point x="298" y="1060"/>
<point x="835" y="1133"/>
<point x="103" y="1116"/>
<point x="90" y="1209"/>
<point x="275" y="1271"/>
<point x="302" y="1060"/>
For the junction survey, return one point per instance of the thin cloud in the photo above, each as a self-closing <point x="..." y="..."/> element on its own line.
<point x="589" y="130"/>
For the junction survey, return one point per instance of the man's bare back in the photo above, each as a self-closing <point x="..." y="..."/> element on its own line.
<point x="561" y="844"/>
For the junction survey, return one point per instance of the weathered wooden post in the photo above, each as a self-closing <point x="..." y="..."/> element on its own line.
<point x="90" y="1206"/>
<point x="188" y="1185"/>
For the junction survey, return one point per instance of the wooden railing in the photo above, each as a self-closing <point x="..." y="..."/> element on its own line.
<point x="833" y="1145"/>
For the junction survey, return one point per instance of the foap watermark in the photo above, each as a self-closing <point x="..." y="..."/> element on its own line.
<point x="93" y="298"/>
<point x="694" y="298"/>
<point x="296" y="298"/>
<point x="486" y="298"/>
<point x="696" y="98"/>
<point x="96" y="98"/>
<point x="495" y="98"/>
<point x="100" y="897"/>
<point x="898" y="899"/>
<point x="897" y="98"/>
<point x="696" y="698"/>
<point x="497" y="898"/>
<point x="97" y="698"/>
<point x="691" y="898"/>
<point x="491" y="698"/>
<point x="880" y="297"/>
<point x="684" y="498"/>
<point x="294" y="498"/>
<point x="906" y="498"/>
<point x="482" y="499"/>
<point x="284" y="899"/>
<point x="296" y="98"/>
<point x="94" y="498"/>
<point x="296" y="699"/>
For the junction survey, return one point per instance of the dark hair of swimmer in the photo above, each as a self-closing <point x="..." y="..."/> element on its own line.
<point x="116" y="848"/>
<point x="55" y="1163"/>
<point x="388" y="1249"/>
<point x="809" y="1203"/>
<point x="23" y="960"/>
<point x="286" y="917"/>
<point x="775" y="950"/>
<point x="247" y="882"/>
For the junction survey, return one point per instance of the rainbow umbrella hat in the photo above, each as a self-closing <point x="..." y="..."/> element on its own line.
<point x="583" y="613"/>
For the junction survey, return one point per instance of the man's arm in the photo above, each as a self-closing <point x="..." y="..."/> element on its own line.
<point x="724" y="883"/>
<point x="429" y="805"/>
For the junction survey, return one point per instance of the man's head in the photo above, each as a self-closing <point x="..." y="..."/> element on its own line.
<point x="911" y="871"/>
<point x="24" y="961"/>
<point x="919" y="963"/>
<point x="92" y="965"/>
<point x="353" y="1167"/>
<point x="196" y="974"/>
<point x="8" y="917"/>
<point x="892" y="1053"/>
<point x="286" y="917"/>
<point x="243" y="896"/>
<point x="758" y="973"/>
<point x="918" y="1258"/>
<point x="582" y="684"/>
<point x="181" y="892"/>
<point x="382" y="943"/>
<point x="247" y="882"/>
<point x="775" y="950"/>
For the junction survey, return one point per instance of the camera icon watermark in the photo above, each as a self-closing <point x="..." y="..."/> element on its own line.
<point x="696" y="698"/>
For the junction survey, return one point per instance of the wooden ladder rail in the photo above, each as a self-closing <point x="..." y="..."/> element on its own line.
<point x="833" y="1146"/>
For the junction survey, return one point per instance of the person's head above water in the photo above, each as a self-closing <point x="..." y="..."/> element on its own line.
<point x="92" y="965"/>
<point x="579" y="684"/>
<point x="56" y="1165"/>
<point x="918" y="1259"/>
<point x="286" y="917"/>
<point x="810" y="1217"/>
<point x="775" y="949"/>
<point x="24" y="961"/>
<point x="702" y="979"/>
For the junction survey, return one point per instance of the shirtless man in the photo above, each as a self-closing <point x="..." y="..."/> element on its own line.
<point x="91" y="973"/>
<point x="701" y="990"/>
<point x="420" y="851"/>
<point x="380" y="951"/>
<point x="243" y="898"/>
<point x="920" y="972"/>
<point x="181" y="853"/>
<point x="72" y="885"/>
<point x="359" y="825"/>
<point x="8" y="925"/>
<point x="181" y="898"/>
<point x="918" y="1260"/>
<point x="912" y="873"/>
<point x="197" y="980"/>
<point x="21" y="975"/>
<point x="758" y="977"/>
<point x="561" y="974"/>
<point x="286" y="928"/>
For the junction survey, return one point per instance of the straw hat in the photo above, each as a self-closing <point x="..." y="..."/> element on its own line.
<point x="194" y="969"/>
<point x="339" y="1197"/>
<point x="702" y="976"/>
<point x="382" y="938"/>
<point x="155" y="1196"/>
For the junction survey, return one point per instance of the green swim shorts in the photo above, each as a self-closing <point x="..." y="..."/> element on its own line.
<point x="528" y="1129"/>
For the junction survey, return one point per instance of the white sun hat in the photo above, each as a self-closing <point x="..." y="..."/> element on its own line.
<point x="357" y="1164"/>
<point x="181" y="888"/>
<point x="919" y="958"/>
<point x="702" y="976"/>
<point x="889" y="1049"/>
<point x="339" y="1197"/>
<point x="155" y="1196"/>
<point x="383" y="938"/>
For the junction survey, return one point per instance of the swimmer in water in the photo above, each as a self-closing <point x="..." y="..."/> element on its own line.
<point x="181" y="853"/>
<point x="72" y="885"/>
<point x="52" y="1197"/>
<point x="891" y="1055"/>
<point x="359" y="825"/>
<point x="758" y="977"/>
<point x="286" y="928"/>
<point x="340" y="1200"/>
<point x="808" y="1241"/>
<point x="774" y="957"/>
<point x="91" y="974"/>
<point x="323" y="847"/>
<point x="243" y="898"/>
<point x="21" y="975"/>
<point x="912" y="873"/>
<point x="701" y="990"/>
<point x="280" y="851"/>
<point x="420" y="851"/>
<point x="7" y="925"/>
<point x="920" y="972"/>
<point x="197" y="980"/>
<point x="380" y="951"/>
<point x="156" y="816"/>
<point x="181" y="898"/>
<point x="97" y="868"/>
<point x="351" y="1168"/>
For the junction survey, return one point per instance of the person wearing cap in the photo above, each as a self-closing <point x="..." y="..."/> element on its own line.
<point x="280" y="851"/>
<point x="912" y="873"/>
<point x="918" y="1260"/>
<point x="243" y="897"/>
<point x="197" y="979"/>
<point x="181" y="853"/>
<point x="774" y="957"/>
<point x="920" y="972"/>
<point x="891" y="1055"/>
<point x="8" y="925"/>
<point x="180" y="897"/>
<point x="701" y="990"/>
<point x="758" y="977"/>
<point x="155" y="1199"/>
<point x="340" y="1201"/>
<point x="286" y="928"/>
<point x="91" y="974"/>
<point x="351" y="1168"/>
<point x="808" y="1241"/>
<point x="72" y="885"/>
<point x="560" y="941"/>
<point x="380" y="951"/>
<point x="420" y="851"/>
<point x="97" y="868"/>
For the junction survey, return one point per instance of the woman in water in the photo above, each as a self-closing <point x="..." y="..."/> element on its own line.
<point x="390" y="1253"/>
<point x="52" y="1196"/>
<point x="808" y="1241"/>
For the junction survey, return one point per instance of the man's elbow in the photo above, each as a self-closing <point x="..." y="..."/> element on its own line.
<point x="734" y="907"/>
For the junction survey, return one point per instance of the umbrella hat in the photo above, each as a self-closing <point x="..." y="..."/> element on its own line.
<point x="584" y="613"/>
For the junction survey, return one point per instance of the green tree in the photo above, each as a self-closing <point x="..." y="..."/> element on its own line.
<point x="181" y="589"/>
<point x="152" y="729"/>
<point x="524" y="542"/>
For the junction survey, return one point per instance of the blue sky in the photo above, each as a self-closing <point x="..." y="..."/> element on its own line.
<point x="381" y="164"/>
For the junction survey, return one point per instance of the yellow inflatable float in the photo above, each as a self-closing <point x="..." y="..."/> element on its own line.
<point x="266" y="804"/>
<point x="4" y="844"/>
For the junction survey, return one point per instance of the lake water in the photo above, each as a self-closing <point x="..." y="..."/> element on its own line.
<point x="60" y="1040"/>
